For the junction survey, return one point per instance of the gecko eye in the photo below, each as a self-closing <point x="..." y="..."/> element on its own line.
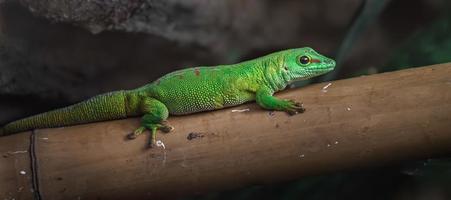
<point x="304" y="60"/>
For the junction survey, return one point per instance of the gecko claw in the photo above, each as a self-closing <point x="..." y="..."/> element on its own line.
<point x="152" y="143"/>
<point x="135" y="133"/>
<point x="131" y="136"/>
<point x="295" y="108"/>
<point x="294" y="112"/>
<point x="167" y="129"/>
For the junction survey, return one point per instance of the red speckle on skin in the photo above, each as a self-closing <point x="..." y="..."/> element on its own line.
<point x="197" y="72"/>
<point x="315" y="61"/>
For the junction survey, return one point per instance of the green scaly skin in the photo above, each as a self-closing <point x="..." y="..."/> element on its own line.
<point x="192" y="90"/>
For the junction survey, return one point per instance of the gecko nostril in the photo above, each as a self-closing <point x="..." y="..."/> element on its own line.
<point x="332" y="62"/>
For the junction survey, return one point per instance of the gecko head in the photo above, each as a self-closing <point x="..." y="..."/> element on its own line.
<point x="304" y="63"/>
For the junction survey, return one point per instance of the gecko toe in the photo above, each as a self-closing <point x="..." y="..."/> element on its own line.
<point x="131" y="136"/>
<point x="167" y="129"/>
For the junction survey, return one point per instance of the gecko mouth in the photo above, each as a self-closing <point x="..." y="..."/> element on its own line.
<point x="322" y="69"/>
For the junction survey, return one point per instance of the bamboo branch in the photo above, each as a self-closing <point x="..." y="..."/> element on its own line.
<point x="364" y="121"/>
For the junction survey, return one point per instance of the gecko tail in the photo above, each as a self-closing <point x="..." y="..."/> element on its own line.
<point x="103" y="107"/>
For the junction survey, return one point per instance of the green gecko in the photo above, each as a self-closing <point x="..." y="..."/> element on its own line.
<point x="192" y="90"/>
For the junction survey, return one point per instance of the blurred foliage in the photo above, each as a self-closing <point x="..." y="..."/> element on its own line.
<point x="431" y="45"/>
<point x="368" y="13"/>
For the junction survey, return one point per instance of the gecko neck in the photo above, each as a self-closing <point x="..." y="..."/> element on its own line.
<point x="273" y="75"/>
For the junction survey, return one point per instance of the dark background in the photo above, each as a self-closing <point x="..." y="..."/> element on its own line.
<point x="57" y="52"/>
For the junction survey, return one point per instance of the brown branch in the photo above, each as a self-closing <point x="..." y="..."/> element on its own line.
<point x="364" y="121"/>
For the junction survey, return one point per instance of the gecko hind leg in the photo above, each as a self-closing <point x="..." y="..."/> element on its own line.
<point x="153" y="120"/>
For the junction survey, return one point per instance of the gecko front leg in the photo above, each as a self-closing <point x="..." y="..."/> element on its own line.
<point x="265" y="99"/>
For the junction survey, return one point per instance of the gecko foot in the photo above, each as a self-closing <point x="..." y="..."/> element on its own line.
<point x="131" y="136"/>
<point x="165" y="127"/>
<point x="151" y="145"/>
<point x="137" y="132"/>
<point x="295" y="108"/>
<point x="153" y="128"/>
